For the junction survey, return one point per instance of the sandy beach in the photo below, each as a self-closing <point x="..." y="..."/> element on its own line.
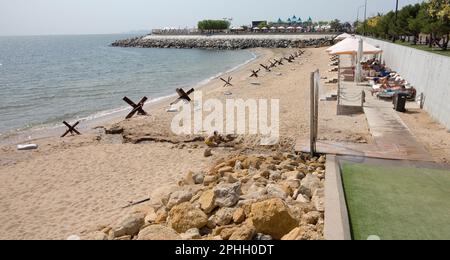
<point x="76" y="184"/>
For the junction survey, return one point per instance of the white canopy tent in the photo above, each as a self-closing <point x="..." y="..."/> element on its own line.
<point x="343" y="36"/>
<point x="350" y="46"/>
<point x="238" y="28"/>
<point x="356" y="48"/>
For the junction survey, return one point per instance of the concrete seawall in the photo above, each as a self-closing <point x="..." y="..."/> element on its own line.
<point x="227" y="42"/>
<point x="429" y="73"/>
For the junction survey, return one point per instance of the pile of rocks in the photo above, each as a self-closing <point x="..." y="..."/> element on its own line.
<point x="220" y="43"/>
<point x="245" y="197"/>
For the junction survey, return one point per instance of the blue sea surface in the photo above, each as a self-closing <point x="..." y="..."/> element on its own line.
<point x="47" y="79"/>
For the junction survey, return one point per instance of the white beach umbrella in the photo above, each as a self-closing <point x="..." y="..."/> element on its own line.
<point x="330" y="49"/>
<point x="290" y="28"/>
<point x="255" y="28"/>
<point x="281" y="28"/>
<point x="343" y="36"/>
<point x="273" y="28"/>
<point x="265" y="28"/>
<point x="299" y="28"/>
<point x="350" y="46"/>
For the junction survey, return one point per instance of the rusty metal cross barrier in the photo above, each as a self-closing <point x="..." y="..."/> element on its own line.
<point x="265" y="67"/>
<point x="71" y="129"/>
<point x="137" y="108"/>
<point x="227" y="82"/>
<point x="280" y="62"/>
<point x="272" y="64"/>
<point x="289" y="59"/>
<point x="255" y="73"/>
<point x="182" y="95"/>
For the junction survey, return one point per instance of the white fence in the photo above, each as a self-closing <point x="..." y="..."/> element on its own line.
<point x="429" y="73"/>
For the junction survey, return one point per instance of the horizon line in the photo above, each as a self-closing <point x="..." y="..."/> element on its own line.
<point x="71" y="34"/>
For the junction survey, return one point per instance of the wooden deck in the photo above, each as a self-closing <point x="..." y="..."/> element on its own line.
<point x="383" y="151"/>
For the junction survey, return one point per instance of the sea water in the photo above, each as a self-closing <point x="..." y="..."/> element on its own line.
<point x="47" y="79"/>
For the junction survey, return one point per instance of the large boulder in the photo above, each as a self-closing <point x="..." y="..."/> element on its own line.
<point x="191" y="234"/>
<point x="239" y="216"/>
<point x="309" y="185"/>
<point x="185" y="216"/>
<point x="207" y="201"/>
<point x="222" y="217"/>
<point x="178" y="197"/>
<point x="158" y="232"/>
<point x="318" y="200"/>
<point x="293" y="175"/>
<point x="272" y="217"/>
<point x="303" y="233"/>
<point x="210" y="179"/>
<point x="130" y="225"/>
<point x="311" y="217"/>
<point x="199" y="178"/>
<point x="161" y="195"/>
<point x="276" y="191"/>
<point x="252" y="162"/>
<point x="227" y="195"/>
<point x="245" y="232"/>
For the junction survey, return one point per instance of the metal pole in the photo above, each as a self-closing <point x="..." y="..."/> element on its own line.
<point x="339" y="82"/>
<point x="357" y="15"/>
<point x="396" y="14"/>
<point x="365" y="17"/>
<point x="316" y="109"/>
<point x="311" y="125"/>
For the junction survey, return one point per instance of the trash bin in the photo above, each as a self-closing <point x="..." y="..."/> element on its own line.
<point x="400" y="102"/>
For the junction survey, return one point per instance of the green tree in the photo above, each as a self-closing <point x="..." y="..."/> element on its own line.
<point x="439" y="18"/>
<point x="213" y="25"/>
<point x="415" y="27"/>
<point x="336" y="25"/>
<point x="405" y="15"/>
<point x="432" y="17"/>
<point x="262" y="25"/>
<point x="386" y="28"/>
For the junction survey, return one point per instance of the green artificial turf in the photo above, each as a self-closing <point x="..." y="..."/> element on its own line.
<point x="425" y="48"/>
<point x="396" y="203"/>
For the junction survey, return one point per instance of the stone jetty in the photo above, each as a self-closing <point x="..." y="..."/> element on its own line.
<point x="227" y="42"/>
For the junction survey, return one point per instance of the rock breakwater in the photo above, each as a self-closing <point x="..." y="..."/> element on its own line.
<point x="223" y="42"/>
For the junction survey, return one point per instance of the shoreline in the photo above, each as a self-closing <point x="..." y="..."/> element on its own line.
<point x="114" y="115"/>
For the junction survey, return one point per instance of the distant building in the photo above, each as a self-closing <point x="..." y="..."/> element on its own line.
<point x="257" y="23"/>
<point x="292" y="21"/>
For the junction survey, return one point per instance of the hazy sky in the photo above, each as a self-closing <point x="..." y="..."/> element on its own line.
<point x="36" y="17"/>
